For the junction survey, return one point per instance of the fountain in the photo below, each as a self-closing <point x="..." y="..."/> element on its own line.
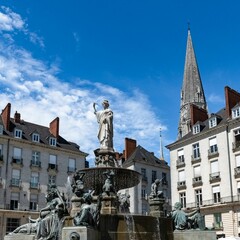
<point x="98" y="211"/>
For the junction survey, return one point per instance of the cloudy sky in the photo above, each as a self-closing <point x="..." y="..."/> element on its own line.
<point x="58" y="57"/>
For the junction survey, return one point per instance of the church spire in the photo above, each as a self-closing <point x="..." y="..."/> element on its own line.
<point x="192" y="90"/>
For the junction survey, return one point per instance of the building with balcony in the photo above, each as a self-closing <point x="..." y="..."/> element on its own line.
<point x="151" y="168"/>
<point x="31" y="158"/>
<point x="205" y="160"/>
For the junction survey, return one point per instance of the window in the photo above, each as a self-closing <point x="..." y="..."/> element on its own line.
<point x="17" y="133"/>
<point x="237" y="161"/>
<point x="143" y="192"/>
<point x="181" y="177"/>
<point x="180" y="155"/>
<point x="212" y="122"/>
<point x="214" y="169"/>
<point x="51" y="179"/>
<point x="236" y="112"/>
<point x="237" y="138"/>
<point x="238" y="188"/>
<point x="198" y="196"/>
<point x="14" y="201"/>
<point x="164" y="178"/>
<point x="196" y="151"/>
<point x="1" y="129"/>
<point x="33" y="202"/>
<point x="197" y="174"/>
<point x="71" y="165"/>
<point x="52" y="141"/>
<point x="182" y="199"/>
<point x="196" y="129"/>
<point x="34" y="182"/>
<point x="216" y="194"/>
<point x="35" y="137"/>
<point x="17" y="155"/>
<point x="36" y="158"/>
<point x="154" y="175"/>
<point x="15" y="181"/>
<point x="12" y="224"/>
<point x="217" y="220"/>
<point x="213" y="145"/>
<point x="52" y="161"/>
<point x="144" y="174"/>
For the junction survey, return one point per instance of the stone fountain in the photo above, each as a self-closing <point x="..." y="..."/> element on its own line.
<point x="98" y="212"/>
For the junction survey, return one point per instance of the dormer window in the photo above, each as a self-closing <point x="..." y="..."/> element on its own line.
<point x="52" y="141"/>
<point x="196" y="129"/>
<point x="1" y="129"/>
<point x="35" y="137"/>
<point x="17" y="133"/>
<point x="212" y="122"/>
<point x="236" y="112"/>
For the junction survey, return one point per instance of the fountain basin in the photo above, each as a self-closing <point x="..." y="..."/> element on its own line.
<point x="94" y="178"/>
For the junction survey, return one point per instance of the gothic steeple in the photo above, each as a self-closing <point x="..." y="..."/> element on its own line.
<point x="192" y="89"/>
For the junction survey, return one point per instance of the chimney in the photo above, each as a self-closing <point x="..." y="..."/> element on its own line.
<point x="54" y="127"/>
<point x="198" y="114"/>
<point x="232" y="97"/>
<point x="17" y="117"/>
<point x="130" y="146"/>
<point x="6" y="116"/>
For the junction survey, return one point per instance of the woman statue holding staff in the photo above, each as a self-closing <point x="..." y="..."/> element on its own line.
<point x="105" y="120"/>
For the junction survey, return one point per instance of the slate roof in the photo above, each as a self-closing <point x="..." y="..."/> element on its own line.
<point x="29" y="128"/>
<point x="140" y="154"/>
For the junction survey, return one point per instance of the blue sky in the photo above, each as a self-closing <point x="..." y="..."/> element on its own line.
<point x="58" y="57"/>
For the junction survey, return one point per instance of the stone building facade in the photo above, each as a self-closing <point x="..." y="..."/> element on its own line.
<point x="151" y="168"/>
<point x="205" y="164"/>
<point x="31" y="157"/>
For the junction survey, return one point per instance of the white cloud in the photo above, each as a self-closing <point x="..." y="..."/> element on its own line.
<point x="33" y="89"/>
<point x="215" y="99"/>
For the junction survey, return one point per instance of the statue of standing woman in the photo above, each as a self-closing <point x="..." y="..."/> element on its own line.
<point x="105" y="120"/>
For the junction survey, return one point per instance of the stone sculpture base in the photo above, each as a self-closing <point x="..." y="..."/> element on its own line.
<point x="194" y="234"/>
<point x="20" y="237"/>
<point x="85" y="233"/>
<point x="109" y="205"/>
<point x="105" y="157"/>
<point x="156" y="207"/>
<point x="76" y="205"/>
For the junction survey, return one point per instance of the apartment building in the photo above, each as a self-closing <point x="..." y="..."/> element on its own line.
<point x="31" y="158"/>
<point x="137" y="158"/>
<point x="205" y="160"/>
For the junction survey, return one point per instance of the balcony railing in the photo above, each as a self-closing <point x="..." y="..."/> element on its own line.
<point x="34" y="185"/>
<point x="237" y="172"/>
<point x="197" y="181"/>
<point x="180" y="163"/>
<point x="17" y="160"/>
<point x="196" y="159"/>
<point x="213" y="152"/>
<point x="72" y="169"/>
<point x="16" y="182"/>
<point x="181" y="185"/>
<point x="236" y="146"/>
<point x="214" y="177"/>
<point x="35" y="164"/>
<point x="52" y="166"/>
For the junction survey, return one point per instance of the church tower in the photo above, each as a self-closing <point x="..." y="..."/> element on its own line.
<point x="192" y="89"/>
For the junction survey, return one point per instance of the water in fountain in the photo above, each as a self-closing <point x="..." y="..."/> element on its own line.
<point x="128" y="218"/>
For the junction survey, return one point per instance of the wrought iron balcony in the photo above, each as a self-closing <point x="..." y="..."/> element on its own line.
<point x="236" y="146"/>
<point x="17" y="160"/>
<point x="197" y="181"/>
<point x="213" y="152"/>
<point x="52" y="167"/>
<point x="195" y="159"/>
<point x="214" y="177"/>
<point x="180" y="163"/>
<point x="16" y="182"/>
<point x="181" y="185"/>
<point x="237" y="172"/>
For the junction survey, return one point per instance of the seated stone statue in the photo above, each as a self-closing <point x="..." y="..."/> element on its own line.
<point x="86" y="216"/>
<point x="155" y="193"/>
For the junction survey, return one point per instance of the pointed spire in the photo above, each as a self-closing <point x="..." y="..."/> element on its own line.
<point x="192" y="90"/>
<point x="161" y="145"/>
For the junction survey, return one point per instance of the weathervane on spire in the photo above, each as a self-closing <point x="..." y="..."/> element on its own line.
<point x="188" y="25"/>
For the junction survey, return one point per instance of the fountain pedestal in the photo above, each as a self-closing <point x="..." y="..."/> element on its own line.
<point x="76" y="205"/>
<point x="109" y="205"/>
<point x="156" y="207"/>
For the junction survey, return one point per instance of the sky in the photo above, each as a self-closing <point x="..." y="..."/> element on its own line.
<point x="58" y="57"/>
